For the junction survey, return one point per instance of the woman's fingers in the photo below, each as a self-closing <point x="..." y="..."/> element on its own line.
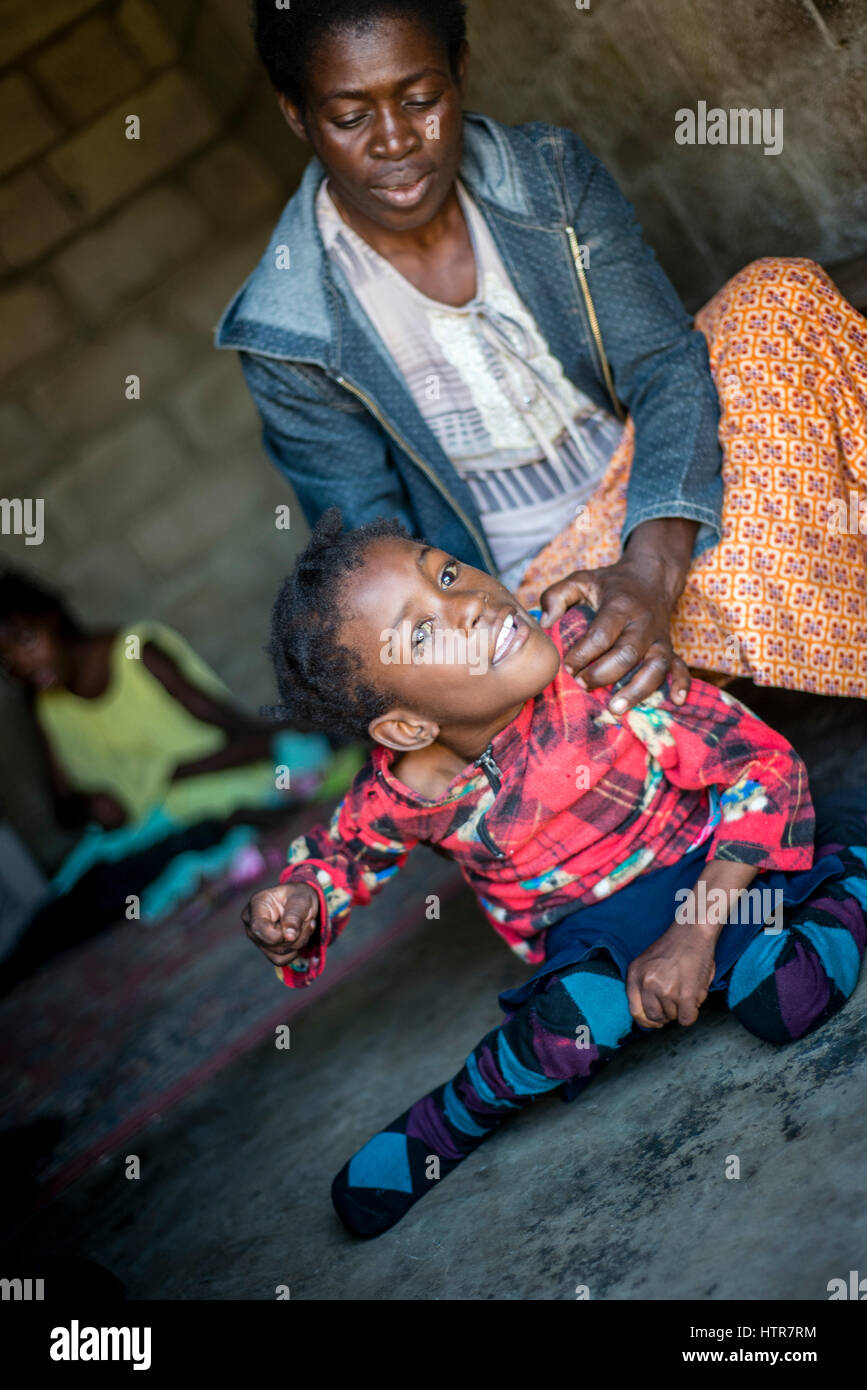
<point x="600" y="641"/>
<point x="627" y="640"/>
<point x="651" y="674"/>
<point x="679" y="680"/>
<point x="577" y="587"/>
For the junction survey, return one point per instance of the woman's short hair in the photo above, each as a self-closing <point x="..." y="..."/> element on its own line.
<point x="287" y="38"/>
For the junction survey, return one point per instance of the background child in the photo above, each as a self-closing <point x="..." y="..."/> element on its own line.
<point x="579" y="832"/>
<point x="146" y="751"/>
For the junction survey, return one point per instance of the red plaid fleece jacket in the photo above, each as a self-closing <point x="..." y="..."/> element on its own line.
<point x="568" y="804"/>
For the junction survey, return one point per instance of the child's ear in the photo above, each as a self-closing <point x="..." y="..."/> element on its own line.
<point x="403" y="730"/>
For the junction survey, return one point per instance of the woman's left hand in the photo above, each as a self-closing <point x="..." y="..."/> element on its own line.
<point x="634" y="600"/>
<point x="632" y="628"/>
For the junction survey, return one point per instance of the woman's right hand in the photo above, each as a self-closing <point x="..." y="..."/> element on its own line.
<point x="282" y="920"/>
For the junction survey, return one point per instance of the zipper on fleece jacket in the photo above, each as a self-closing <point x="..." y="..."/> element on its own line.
<point x="495" y="777"/>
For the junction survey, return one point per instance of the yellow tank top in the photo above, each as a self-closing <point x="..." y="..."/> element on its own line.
<point x="128" y="740"/>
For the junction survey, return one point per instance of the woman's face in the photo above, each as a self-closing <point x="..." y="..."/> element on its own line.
<point x="383" y="113"/>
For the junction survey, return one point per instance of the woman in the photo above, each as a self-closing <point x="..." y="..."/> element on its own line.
<point x="453" y="319"/>
<point x="148" y="754"/>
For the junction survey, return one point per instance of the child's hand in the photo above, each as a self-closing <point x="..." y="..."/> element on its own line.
<point x="670" y="980"/>
<point x="281" y="920"/>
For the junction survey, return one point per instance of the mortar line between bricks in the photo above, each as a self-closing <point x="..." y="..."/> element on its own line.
<point x="35" y="50"/>
<point x="97" y="223"/>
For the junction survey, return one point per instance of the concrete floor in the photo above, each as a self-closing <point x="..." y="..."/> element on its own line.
<point x="624" y="1191"/>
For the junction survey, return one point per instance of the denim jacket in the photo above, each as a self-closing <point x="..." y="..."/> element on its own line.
<point x="338" y="419"/>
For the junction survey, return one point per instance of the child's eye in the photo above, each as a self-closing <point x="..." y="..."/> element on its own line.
<point x="449" y="568"/>
<point x="422" y="633"/>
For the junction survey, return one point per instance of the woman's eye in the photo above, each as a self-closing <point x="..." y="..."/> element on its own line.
<point x="422" y="632"/>
<point x="449" y="570"/>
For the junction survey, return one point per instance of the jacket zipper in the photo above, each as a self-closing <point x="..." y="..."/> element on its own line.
<point x="594" y="322"/>
<point x="425" y="468"/>
<point x="495" y="777"/>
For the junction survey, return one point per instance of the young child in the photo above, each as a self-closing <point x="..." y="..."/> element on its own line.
<point x="608" y="851"/>
<point x="147" y="752"/>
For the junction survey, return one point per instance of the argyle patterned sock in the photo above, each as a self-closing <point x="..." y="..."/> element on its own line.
<point x="566" y="1032"/>
<point x="786" y="985"/>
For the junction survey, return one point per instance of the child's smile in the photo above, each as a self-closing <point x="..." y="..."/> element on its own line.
<point x="455" y="650"/>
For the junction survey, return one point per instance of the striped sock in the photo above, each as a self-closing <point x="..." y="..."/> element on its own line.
<point x="785" y="986"/>
<point x="568" y="1031"/>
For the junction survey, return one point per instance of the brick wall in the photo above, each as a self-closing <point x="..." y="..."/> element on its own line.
<point x="116" y="257"/>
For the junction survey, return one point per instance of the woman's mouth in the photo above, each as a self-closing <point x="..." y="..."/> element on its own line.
<point x="404" y="195"/>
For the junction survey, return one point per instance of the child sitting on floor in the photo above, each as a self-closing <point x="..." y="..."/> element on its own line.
<point x="611" y="852"/>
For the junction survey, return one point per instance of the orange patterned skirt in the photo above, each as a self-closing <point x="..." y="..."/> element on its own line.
<point x="783" y="597"/>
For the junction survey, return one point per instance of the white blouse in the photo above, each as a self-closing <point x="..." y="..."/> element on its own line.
<point x="530" y="446"/>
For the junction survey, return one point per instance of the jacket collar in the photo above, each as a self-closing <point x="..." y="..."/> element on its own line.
<point x="294" y="312"/>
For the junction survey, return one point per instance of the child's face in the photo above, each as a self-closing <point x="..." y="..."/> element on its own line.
<point x="31" y="650"/>
<point x="454" y="647"/>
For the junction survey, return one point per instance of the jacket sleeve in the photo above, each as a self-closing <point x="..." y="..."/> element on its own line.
<point x="659" y="363"/>
<point x="712" y="740"/>
<point x="324" y="442"/>
<point x="346" y="863"/>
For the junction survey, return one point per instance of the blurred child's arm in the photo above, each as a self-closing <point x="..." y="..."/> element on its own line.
<point x="712" y="740"/>
<point x="248" y="740"/>
<point x="345" y="864"/>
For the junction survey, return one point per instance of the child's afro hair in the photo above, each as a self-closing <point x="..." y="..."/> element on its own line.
<point x="317" y="675"/>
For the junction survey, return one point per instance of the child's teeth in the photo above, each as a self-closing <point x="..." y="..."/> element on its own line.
<point x="503" y="638"/>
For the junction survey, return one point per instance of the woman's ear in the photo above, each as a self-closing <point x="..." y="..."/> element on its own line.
<point x="402" y="730"/>
<point x="293" y="117"/>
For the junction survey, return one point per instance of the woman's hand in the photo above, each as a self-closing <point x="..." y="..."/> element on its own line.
<point x="670" y="980"/>
<point x="634" y="599"/>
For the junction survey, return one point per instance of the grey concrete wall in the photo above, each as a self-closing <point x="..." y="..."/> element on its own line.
<point x="116" y="257"/>
<point x="617" y="73"/>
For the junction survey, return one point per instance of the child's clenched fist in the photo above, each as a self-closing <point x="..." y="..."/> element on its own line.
<point x="282" y="920"/>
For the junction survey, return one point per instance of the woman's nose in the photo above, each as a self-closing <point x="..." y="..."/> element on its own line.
<point x="393" y="135"/>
